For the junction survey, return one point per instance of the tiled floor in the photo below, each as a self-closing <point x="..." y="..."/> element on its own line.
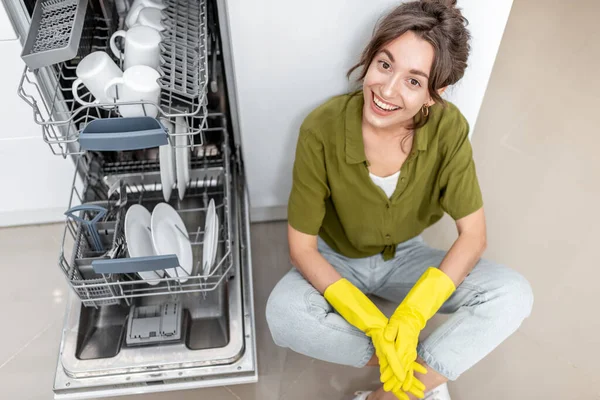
<point x="36" y="302"/>
<point x="535" y="145"/>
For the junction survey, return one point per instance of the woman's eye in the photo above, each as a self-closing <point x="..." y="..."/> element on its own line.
<point x="414" y="82"/>
<point x="384" y="64"/>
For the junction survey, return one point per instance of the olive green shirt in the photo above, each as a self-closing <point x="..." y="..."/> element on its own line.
<point x="333" y="196"/>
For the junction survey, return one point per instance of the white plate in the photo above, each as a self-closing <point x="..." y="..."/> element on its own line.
<point x="215" y="242"/>
<point x="207" y="245"/>
<point x="139" y="238"/>
<point x="170" y="236"/>
<point x="182" y="156"/>
<point x="167" y="168"/>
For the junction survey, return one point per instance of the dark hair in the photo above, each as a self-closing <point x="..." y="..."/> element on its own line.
<point x="438" y="22"/>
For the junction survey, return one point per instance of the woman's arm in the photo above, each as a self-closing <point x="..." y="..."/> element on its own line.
<point x="305" y="256"/>
<point x="467" y="249"/>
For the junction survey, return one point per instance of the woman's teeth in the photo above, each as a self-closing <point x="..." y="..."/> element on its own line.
<point x="382" y="105"/>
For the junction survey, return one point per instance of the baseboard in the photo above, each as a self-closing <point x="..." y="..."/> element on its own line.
<point x="264" y="214"/>
<point x="31" y="217"/>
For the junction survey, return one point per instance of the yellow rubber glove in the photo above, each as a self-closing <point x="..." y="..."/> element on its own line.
<point x="413" y="385"/>
<point x="355" y="306"/>
<point x="422" y="302"/>
<point x="358" y="310"/>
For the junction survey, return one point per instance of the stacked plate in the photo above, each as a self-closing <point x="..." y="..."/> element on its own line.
<point x="167" y="164"/>
<point x="175" y="168"/>
<point x="211" y="239"/>
<point x="160" y="233"/>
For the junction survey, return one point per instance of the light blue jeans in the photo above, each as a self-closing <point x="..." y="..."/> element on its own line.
<point x="486" y="309"/>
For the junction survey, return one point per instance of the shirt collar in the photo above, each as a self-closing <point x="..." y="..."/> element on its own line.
<point x="355" y="147"/>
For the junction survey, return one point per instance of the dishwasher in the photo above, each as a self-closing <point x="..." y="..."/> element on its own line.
<point x="123" y="334"/>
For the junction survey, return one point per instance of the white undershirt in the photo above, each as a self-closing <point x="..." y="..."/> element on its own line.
<point x="387" y="183"/>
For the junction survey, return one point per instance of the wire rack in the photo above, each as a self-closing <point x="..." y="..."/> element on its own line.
<point x="184" y="76"/>
<point x="209" y="179"/>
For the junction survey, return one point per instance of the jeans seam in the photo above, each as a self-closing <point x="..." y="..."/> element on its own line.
<point x="321" y="319"/>
<point x="473" y="288"/>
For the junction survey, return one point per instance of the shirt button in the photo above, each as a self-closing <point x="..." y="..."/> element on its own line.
<point x="402" y="179"/>
<point x="387" y="206"/>
<point x="388" y="237"/>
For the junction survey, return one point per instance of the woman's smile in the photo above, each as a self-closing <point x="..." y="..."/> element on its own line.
<point x="382" y="107"/>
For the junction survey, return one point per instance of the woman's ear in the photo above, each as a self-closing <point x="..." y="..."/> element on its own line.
<point x="441" y="91"/>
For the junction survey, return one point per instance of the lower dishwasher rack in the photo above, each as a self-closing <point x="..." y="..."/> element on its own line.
<point x="140" y="183"/>
<point x="218" y="345"/>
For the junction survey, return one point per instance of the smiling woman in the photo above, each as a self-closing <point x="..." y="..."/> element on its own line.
<point x="373" y="170"/>
<point x="396" y="88"/>
<point x="429" y="55"/>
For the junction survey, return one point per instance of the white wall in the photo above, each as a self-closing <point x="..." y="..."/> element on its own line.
<point x="34" y="183"/>
<point x="291" y="56"/>
<point x="6" y="30"/>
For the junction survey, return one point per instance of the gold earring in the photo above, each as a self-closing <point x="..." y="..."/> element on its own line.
<point x="425" y="110"/>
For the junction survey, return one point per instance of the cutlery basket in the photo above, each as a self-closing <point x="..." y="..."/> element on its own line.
<point x="100" y="240"/>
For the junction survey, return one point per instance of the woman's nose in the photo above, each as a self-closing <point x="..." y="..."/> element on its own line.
<point x="390" y="88"/>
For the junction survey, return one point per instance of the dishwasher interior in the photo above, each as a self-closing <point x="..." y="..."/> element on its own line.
<point x="163" y="320"/>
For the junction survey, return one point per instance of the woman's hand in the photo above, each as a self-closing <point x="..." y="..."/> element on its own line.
<point x="410" y="385"/>
<point x="407" y="383"/>
<point x="432" y="289"/>
<point x="405" y="361"/>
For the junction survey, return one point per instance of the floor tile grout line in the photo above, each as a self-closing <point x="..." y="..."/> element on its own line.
<point x="33" y="339"/>
<point x="232" y="392"/>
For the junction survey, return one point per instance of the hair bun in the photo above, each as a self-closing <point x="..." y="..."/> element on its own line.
<point x="447" y="3"/>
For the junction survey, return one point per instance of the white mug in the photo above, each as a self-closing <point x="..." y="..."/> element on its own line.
<point x="95" y="71"/>
<point x="141" y="47"/>
<point x="137" y="6"/>
<point x="151" y="17"/>
<point x="138" y="83"/>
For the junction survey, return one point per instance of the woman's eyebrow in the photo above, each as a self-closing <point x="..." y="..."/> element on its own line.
<point x="417" y="72"/>
<point x="390" y="56"/>
<point x="412" y="71"/>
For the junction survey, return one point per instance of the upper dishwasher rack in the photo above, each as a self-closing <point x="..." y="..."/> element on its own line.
<point x="183" y="80"/>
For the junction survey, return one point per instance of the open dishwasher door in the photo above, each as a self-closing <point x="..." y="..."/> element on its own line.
<point x="217" y="346"/>
<point x="124" y="333"/>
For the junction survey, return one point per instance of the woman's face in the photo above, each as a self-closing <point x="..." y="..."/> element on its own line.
<point x="395" y="86"/>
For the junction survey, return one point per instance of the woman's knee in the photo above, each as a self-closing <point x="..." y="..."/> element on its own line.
<point x="520" y="294"/>
<point x="498" y="292"/>
<point x="514" y="293"/>
<point x="276" y="316"/>
<point x="291" y="310"/>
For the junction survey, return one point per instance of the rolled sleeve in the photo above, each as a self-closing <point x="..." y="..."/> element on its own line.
<point x="306" y="205"/>
<point x="460" y="194"/>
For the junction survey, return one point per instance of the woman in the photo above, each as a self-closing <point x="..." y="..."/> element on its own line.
<point x="373" y="169"/>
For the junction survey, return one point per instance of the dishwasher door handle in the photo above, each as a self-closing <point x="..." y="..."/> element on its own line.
<point x="135" y="264"/>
